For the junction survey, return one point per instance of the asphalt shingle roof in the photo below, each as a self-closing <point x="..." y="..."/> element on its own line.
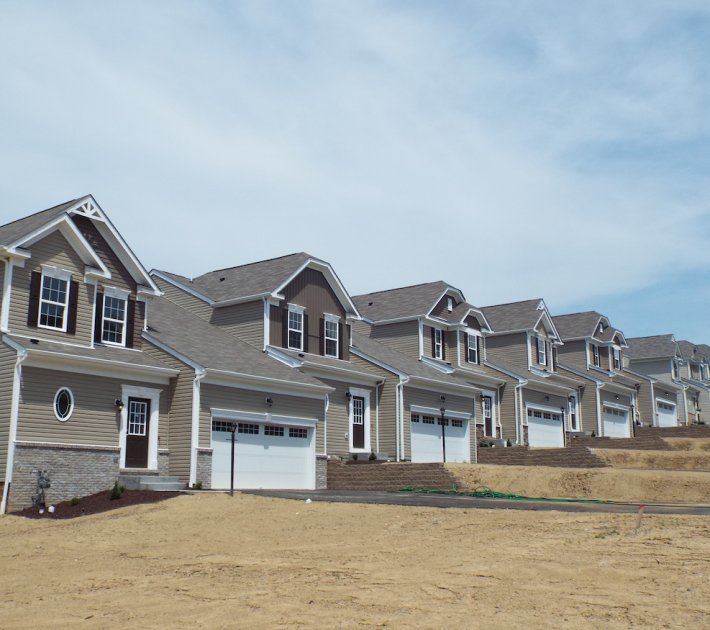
<point x="213" y="348"/>
<point x="689" y="350"/>
<point x="398" y="303"/>
<point x="11" y="232"/>
<point x="513" y="316"/>
<point x="655" y="347"/>
<point x="576" y="325"/>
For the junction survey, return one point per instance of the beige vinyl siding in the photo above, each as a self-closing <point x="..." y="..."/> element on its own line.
<point x="659" y="369"/>
<point x="507" y="409"/>
<point x="2" y="278"/>
<point x="646" y="405"/>
<point x="512" y="349"/>
<point x="588" y="409"/>
<point x="176" y="428"/>
<point x="244" y="321"/>
<point x="532" y="397"/>
<point x="51" y="250"/>
<point x="184" y="299"/>
<point x="234" y="399"/>
<point x="361" y="327"/>
<point x="441" y="309"/>
<point x="573" y="354"/>
<point x="449" y="343"/>
<point x="94" y="420"/>
<point x="402" y="336"/>
<point x="429" y="398"/>
<point x="8" y="358"/>
<point x="120" y="277"/>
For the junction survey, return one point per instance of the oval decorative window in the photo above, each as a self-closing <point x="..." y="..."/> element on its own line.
<point x="63" y="404"/>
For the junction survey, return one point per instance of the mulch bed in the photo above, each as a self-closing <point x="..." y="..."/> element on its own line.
<point x="96" y="503"/>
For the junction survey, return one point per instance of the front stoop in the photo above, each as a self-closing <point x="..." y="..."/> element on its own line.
<point x="154" y="481"/>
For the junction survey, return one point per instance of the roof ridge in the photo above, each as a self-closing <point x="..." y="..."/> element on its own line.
<point x="515" y="302"/>
<point x="257" y="262"/>
<point x="409" y="286"/>
<point x="34" y="214"/>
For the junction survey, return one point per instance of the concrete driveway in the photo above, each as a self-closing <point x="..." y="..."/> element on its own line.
<point x="465" y="502"/>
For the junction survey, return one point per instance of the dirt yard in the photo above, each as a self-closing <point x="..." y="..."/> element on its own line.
<point x="613" y="484"/>
<point x="698" y="460"/>
<point x="211" y="561"/>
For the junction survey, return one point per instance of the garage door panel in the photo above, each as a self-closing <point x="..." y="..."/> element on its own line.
<point x="667" y="414"/>
<point x="426" y="441"/>
<point x="616" y="422"/>
<point x="544" y="429"/>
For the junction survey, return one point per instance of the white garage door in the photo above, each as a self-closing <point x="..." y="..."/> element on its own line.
<point x="266" y="456"/>
<point x="427" y="441"/>
<point x="545" y="429"/>
<point x="667" y="416"/>
<point x="616" y="422"/>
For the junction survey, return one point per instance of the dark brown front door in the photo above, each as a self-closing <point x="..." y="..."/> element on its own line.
<point x="137" y="431"/>
<point x="358" y="422"/>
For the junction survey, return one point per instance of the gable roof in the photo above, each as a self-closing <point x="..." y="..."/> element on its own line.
<point x="402" y="303"/>
<point x="257" y="280"/>
<point x="215" y="349"/>
<point x="518" y="316"/>
<point x="577" y="325"/>
<point x="24" y="232"/>
<point x="654" y="347"/>
<point x="689" y="350"/>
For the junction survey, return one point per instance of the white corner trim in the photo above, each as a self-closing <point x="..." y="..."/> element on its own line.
<point x="14" y="418"/>
<point x="195" y="423"/>
<point x="6" y="296"/>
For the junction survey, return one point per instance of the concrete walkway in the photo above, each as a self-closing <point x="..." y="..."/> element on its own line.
<point x="465" y="502"/>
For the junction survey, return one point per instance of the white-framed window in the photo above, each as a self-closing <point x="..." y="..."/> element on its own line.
<point x="449" y="304"/>
<point x="63" y="404"/>
<point x="138" y="417"/>
<point x="113" y="319"/>
<point x="616" y="359"/>
<point x="472" y="350"/>
<point x="330" y="332"/>
<point x="595" y="354"/>
<point x="438" y="343"/>
<point x="295" y="327"/>
<point x="674" y="369"/>
<point x="54" y="298"/>
<point x="541" y="351"/>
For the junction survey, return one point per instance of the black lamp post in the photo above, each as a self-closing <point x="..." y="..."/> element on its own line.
<point x="443" y="428"/>
<point x="231" y="486"/>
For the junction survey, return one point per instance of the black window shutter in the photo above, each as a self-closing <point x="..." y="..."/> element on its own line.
<point x="443" y="345"/>
<point x="73" y="307"/>
<point x="33" y="308"/>
<point x="284" y="327"/>
<point x="478" y="350"/>
<point x="465" y="345"/>
<point x="536" y="354"/>
<point x="99" y="316"/>
<point x="305" y="332"/>
<point x="340" y="342"/>
<point x="321" y="336"/>
<point x="433" y="343"/>
<point x="130" y="321"/>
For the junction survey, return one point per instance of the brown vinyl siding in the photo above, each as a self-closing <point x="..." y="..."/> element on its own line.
<point x="176" y="428"/>
<point x="573" y="354"/>
<point x="8" y="358"/>
<point x="361" y="327"/>
<point x="507" y="405"/>
<point x="588" y="409"/>
<point x="244" y="321"/>
<point x="401" y="336"/>
<point x="234" y="399"/>
<point x="429" y="398"/>
<point x="512" y="349"/>
<point x="472" y="322"/>
<point x="441" y="309"/>
<point x="659" y="369"/>
<point x="51" y="250"/>
<point x="184" y="299"/>
<point x="645" y="404"/>
<point x="532" y="397"/>
<point x="94" y="420"/>
<point x="120" y="277"/>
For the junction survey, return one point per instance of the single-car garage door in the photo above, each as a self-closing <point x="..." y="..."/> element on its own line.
<point x="616" y="422"/>
<point x="545" y="429"/>
<point x="266" y="455"/>
<point x="427" y="440"/>
<point x="667" y="416"/>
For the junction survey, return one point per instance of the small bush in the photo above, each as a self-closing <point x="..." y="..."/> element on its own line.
<point x="197" y="485"/>
<point x="355" y="456"/>
<point x="373" y="457"/>
<point x="74" y="501"/>
<point x="117" y="491"/>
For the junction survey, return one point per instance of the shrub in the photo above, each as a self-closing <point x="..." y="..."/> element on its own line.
<point x="117" y="491"/>
<point x="372" y="457"/>
<point x="74" y="501"/>
<point x="355" y="456"/>
<point x="197" y="485"/>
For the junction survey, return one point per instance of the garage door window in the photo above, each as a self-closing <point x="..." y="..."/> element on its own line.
<point x="270" y="429"/>
<point x="532" y="413"/>
<point x="251" y="429"/>
<point x="297" y="433"/>
<point x="457" y="423"/>
<point x="428" y="420"/>
<point x="221" y="426"/>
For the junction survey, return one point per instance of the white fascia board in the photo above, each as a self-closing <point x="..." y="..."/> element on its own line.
<point x="72" y="234"/>
<point x="550" y="324"/>
<point x="518" y="377"/>
<point x="255" y="416"/>
<point x="479" y="315"/>
<point x="699" y="385"/>
<point x="644" y="377"/>
<point x="341" y="374"/>
<point x="172" y="352"/>
<point x="549" y="388"/>
<point x="442" y="387"/>
<point x="64" y="362"/>
<point x="435" y="364"/>
<point x="285" y="358"/>
<point x="115" y="240"/>
<point x="618" y="388"/>
<point x="580" y="373"/>
<point x="382" y="364"/>
<point x="265" y="384"/>
<point x="16" y="253"/>
<point x="397" y="320"/>
<point x="469" y="374"/>
<point x="433" y="411"/>
<point x="242" y="300"/>
<point x="181" y="286"/>
<point x="448" y="291"/>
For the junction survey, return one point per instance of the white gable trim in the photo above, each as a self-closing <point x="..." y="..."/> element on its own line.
<point x="453" y="292"/>
<point x="181" y="286"/>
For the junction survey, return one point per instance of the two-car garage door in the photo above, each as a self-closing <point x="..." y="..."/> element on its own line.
<point x="266" y="455"/>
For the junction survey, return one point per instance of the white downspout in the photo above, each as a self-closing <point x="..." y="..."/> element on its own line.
<point x="685" y="406"/>
<point x="518" y="416"/>
<point x="396" y="420"/>
<point x="377" y="414"/>
<point x="400" y="397"/>
<point x="599" y="413"/>
<point x="14" y="416"/>
<point x="326" y="404"/>
<point x="6" y="295"/>
<point x="195" y="433"/>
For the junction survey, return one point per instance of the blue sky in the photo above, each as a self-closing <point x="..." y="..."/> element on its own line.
<point x="514" y="149"/>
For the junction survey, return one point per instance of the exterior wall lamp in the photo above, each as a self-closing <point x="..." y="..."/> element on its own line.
<point x="269" y="401"/>
<point x="119" y="405"/>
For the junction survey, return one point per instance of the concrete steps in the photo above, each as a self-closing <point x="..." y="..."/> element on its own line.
<point x="570" y="457"/>
<point x="388" y="476"/>
<point x="150" y="482"/>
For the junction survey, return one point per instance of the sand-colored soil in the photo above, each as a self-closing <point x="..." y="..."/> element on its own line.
<point x="600" y="483"/>
<point x="657" y="460"/>
<point x="685" y="444"/>
<point x="211" y="561"/>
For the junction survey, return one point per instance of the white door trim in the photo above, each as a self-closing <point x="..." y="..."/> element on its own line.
<point x="365" y="394"/>
<point x="130" y="391"/>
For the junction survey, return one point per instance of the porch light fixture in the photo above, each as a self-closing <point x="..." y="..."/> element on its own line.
<point x="119" y="405"/>
<point x="269" y="401"/>
<point x="547" y="398"/>
<point x="616" y="397"/>
<point x="348" y="395"/>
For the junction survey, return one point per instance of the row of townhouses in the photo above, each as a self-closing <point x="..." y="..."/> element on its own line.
<point x="107" y="368"/>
